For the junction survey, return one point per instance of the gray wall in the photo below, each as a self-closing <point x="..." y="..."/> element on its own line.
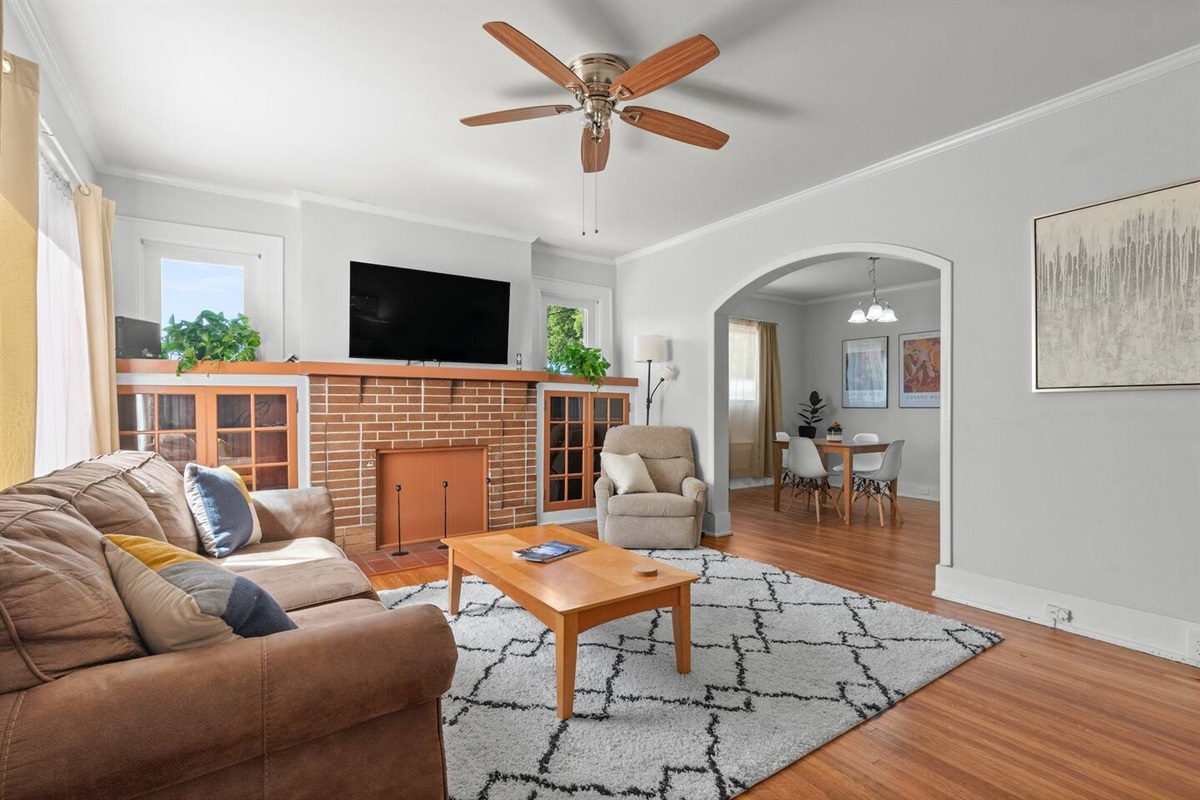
<point x="1038" y="496"/>
<point x="825" y="327"/>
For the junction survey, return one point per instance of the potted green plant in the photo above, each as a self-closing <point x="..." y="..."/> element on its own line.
<point x="209" y="337"/>
<point x="582" y="362"/>
<point x="810" y="415"/>
<point x="834" y="432"/>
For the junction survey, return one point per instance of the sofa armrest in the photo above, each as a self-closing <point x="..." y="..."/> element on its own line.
<point x="294" y="513"/>
<point x="604" y="490"/>
<point x="128" y="728"/>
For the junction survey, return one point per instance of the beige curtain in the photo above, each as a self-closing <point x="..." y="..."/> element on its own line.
<point x="770" y="397"/>
<point x="18" y="266"/>
<point x="95" y="216"/>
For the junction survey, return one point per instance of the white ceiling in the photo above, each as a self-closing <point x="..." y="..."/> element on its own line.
<point x="361" y="100"/>
<point x="847" y="276"/>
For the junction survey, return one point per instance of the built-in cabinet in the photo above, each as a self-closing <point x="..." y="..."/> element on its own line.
<point x="575" y="424"/>
<point x="249" y="428"/>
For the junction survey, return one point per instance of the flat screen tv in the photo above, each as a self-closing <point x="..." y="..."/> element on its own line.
<point x="414" y="315"/>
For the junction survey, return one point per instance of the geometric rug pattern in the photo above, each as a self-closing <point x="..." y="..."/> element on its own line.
<point x="781" y="664"/>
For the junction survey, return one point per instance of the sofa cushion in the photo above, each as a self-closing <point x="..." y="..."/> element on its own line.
<point x="60" y="609"/>
<point x="627" y="472"/>
<point x="161" y="486"/>
<point x="335" y="613"/>
<point x="286" y="551"/>
<point x="651" y="504"/>
<point x="178" y="600"/>
<point x="312" y="583"/>
<point x="101" y="495"/>
<point x="225" y="517"/>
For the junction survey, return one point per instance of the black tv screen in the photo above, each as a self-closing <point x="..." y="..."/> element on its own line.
<point x="414" y="315"/>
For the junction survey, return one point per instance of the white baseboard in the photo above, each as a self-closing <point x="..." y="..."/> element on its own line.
<point x="566" y="517"/>
<point x="1156" y="634"/>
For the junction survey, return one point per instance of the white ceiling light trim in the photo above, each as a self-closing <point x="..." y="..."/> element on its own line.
<point x="1124" y="80"/>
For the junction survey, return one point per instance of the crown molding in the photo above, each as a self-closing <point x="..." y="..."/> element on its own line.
<point x="816" y="301"/>
<point x="1116" y="83"/>
<point x="278" y="198"/>
<point x="26" y="19"/>
<point x="575" y="255"/>
<point x="395" y="213"/>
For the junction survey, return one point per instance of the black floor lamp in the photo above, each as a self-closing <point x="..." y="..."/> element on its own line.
<point x="648" y="349"/>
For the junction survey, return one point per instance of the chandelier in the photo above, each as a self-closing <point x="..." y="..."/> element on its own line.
<point x="877" y="310"/>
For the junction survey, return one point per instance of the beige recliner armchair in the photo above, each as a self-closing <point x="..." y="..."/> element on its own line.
<point x="667" y="518"/>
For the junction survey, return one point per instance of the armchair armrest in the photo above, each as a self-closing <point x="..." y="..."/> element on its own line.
<point x="180" y="715"/>
<point x="695" y="489"/>
<point x="294" y="513"/>
<point x="604" y="490"/>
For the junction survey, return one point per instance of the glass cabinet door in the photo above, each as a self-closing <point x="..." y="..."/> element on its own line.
<point x="574" y="431"/>
<point x="254" y="437"/>
<point x="161" y="420"/>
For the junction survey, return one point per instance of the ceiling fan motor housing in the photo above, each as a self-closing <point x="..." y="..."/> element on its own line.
<point x="598" y="71"/>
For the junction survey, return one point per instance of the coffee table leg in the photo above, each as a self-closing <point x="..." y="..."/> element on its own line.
<point x="454" y="581"/>
<point x="566" y="648"/>
<point x="681" y="621"/>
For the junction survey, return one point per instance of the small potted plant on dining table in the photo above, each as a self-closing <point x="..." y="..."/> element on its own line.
<point x="834" y="432"/>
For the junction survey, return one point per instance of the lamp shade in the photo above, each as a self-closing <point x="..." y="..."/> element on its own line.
<point x="858" y="316"/>
<point x="649" y="348"/>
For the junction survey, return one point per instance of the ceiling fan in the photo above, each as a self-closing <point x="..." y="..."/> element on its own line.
<point x="601" y="81"/>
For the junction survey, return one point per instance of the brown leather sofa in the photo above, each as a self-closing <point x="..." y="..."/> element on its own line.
<point x="348" y="705"/>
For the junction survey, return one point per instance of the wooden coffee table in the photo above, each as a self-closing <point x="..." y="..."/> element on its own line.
<point x="574" y="593"/>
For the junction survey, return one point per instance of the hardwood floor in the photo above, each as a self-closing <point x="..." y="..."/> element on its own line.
<point x="1044" y="715"/>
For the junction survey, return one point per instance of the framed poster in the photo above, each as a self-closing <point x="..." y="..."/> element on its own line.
<point x="865" y="373"/>
<point x="921" y="370"/>
<point x="1115" y="287"/>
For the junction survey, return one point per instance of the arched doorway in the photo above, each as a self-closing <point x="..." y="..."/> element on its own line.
<point x="718" y="517"/>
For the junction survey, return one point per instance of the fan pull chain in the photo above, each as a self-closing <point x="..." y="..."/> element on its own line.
<point x="582" y="203"/>
<point x="596" y="203"/>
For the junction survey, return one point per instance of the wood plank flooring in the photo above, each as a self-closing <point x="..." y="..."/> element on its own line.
<point x="1044" y="715"/>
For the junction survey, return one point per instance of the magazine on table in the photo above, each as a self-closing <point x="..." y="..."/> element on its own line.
<point x="547" y="551"/>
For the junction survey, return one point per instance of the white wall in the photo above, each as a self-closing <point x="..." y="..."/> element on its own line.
<point x="552" y="263"/>
<point x="1063" y="491"/>
<point x="825" y="327"/>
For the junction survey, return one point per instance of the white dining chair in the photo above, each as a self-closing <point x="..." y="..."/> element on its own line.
<point x="809" y="476"/>
<point x="782" y="436"/>
<point x="877" y="485"/>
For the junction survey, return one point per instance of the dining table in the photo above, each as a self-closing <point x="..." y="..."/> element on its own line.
<point x="846" y="449"/>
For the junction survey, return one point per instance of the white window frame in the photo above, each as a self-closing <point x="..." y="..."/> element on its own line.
<point x="596" y="303"/>
<point x="138" y="281"/>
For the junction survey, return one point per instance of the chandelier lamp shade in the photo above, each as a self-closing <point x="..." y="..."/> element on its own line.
<point x="876" y="310"/>
<point x="648" y="349"/>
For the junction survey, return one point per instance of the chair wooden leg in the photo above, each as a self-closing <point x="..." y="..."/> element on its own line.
<point x="879" y="502"/>
<point x="817" y="492"/>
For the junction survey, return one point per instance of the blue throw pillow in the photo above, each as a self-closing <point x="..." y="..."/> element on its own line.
<point x="222" y="508"/>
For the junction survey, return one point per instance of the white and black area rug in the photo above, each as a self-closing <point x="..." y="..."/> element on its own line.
<point x="781" y="664"/>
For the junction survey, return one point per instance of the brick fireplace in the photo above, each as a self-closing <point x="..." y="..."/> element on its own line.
<point x="354" y="418"/>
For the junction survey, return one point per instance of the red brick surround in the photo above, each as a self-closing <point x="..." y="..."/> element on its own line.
<point x="354" y="418"/>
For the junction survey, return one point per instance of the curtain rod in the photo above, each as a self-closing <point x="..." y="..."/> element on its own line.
<point x="61" y="155"/>
<point x="752" y="319"/>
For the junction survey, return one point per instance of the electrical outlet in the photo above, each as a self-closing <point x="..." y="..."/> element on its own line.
<point x="1058" y="614"/>
<point x="923" y="491"/>
<point x="1193" y="646"/>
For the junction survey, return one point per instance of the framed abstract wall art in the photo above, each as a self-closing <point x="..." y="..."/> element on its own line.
<point x="1116" y="288"/>
<point x="865" y="373"/>
<point x="921" y="370"/>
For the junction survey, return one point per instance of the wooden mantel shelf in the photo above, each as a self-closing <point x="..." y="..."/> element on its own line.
<point x="354" y="369"/>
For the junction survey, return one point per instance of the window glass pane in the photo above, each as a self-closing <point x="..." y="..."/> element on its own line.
<point x="270" y="447"/>
<point x="556" y="490"/>
<point x="558" y="408"/>
<point x="137" y="441"/>
<point x="189" y="287"/>
<point x="599" y="408"/>
<point x="557" y="461"/>
<point x="233" y="448"/>
<point x="270" y="478"/>
<point x="177" y="448"/>
<point x="176" y="412"/>
<point x="575" y="488"/>
<point x="575" y="462"/>
<point x="599" y="430"/>
<point x="233" y="411"/>
<point x="270" y="411"/>
<point x="616" y="410"/>
<point x="564" y="326"/>
<point x="558" y="435"/>
<point x="575" y="408"/>
<point x="575" y="435"/>
<point x="135" y="412"/>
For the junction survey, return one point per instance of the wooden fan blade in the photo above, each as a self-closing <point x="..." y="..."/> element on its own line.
<point x="673" y="126"/>
<point x="535" y="55"/>
<point x="594" y="154"/>
<point x="516" y="114"/>
<point x="665" y="66"/>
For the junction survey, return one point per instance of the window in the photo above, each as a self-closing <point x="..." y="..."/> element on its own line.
<point x="189" y="287"/>
<point x="564" y="325"/>
<point x="570" y="312"/>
